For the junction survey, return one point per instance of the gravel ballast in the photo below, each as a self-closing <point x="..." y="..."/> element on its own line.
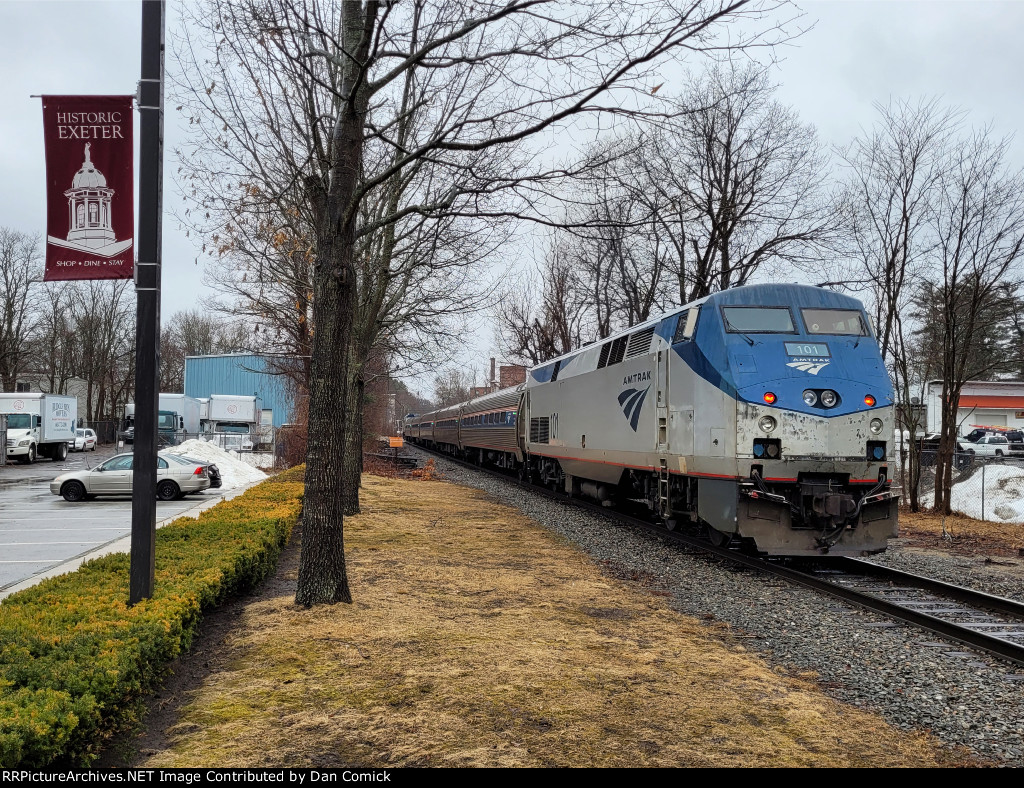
<point x="912" y="678"/>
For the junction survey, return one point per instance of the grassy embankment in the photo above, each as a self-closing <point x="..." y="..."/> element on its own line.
<point x="478" y="639"/>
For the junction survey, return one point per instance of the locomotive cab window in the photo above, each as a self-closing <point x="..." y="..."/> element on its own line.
<point x="845" y="322"/>
<point x="758" y="320"/>
<point x="687" y="325"/>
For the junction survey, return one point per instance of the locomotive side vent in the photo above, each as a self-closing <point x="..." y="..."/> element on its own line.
<point x="640" y="342"/>
<point x="618" y="350"/>
<point x="539" y="429"/>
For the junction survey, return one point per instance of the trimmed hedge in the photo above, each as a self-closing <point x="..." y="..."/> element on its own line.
<point x="75" y="660"/>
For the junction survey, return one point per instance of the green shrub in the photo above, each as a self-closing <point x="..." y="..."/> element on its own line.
<point x="75" y="660"/>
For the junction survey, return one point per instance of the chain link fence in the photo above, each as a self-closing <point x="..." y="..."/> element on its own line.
<point x="261" y="449"/>
<point x="985" y="488"/>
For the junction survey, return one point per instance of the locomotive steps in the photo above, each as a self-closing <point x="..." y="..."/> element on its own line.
<point x="478" y="639"/>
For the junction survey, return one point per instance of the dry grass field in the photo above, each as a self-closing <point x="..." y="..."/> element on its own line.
<point x="960" y="534"/>
<point x="478" y="639"/>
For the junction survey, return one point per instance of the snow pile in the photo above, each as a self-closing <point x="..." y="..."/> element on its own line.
<point x="233" y="472"/>
<point x="1002" y="493"/>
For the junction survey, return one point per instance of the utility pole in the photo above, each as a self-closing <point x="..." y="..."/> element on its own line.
<point x="150" y="99"/>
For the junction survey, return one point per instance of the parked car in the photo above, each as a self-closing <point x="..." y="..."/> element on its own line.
<point x="114" y="477"/>
<point x="211" y="469"/>
<point x="85" y="440"/>
<point x="992" y="446"/>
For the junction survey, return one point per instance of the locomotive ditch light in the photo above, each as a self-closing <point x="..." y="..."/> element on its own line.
<point x="767" y="423"/>
<point x="869" y="400"/>
<point x="829" y="398"/>
<point x="810" y="398"/>
<point x="875" y="426"/>
<point x="770" y="397"/>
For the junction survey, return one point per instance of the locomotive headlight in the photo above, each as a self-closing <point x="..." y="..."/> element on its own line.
<point x="767" y="423"/>
<point x="875" y="426"/>
<point x="829" y="398"/>
<point x="810" y="398"/>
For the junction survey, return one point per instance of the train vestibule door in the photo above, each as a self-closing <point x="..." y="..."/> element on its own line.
<point x="661" y="382"/>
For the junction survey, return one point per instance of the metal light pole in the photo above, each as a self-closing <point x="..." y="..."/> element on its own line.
<point x="147" y="287"/>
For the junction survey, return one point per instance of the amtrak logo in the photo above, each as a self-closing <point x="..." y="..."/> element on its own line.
<point x="632" y="401"/>
<point x="810" y="367"/>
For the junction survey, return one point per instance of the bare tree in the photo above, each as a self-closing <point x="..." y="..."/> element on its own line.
<point x="592" y="57"/>
<point x="534" y="332"/>
<point x="20" y="269"/>
<point x="746" y="177"/>
<point x="893" y="175"/>
<point x="978" y="226"/>
<point x="194" y="332"/>
<point x="452" y="386"/>
<point x="726" y="181"/>
<point x="103" y="312"/>
<point x="55" y="348"/>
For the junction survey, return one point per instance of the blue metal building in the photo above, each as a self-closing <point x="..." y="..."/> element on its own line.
<point x="242" y="374"/>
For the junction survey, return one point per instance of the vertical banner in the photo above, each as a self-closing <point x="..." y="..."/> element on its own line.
<point x="90" y="214"/>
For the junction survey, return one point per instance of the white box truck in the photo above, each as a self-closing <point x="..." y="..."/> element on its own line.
<point x="233" y="421"/>
<point x="39" y="425"/>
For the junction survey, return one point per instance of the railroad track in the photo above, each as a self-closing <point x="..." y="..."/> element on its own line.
<point x="980" y="621"/>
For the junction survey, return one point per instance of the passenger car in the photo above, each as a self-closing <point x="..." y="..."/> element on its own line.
<point x="85" y="440"/>
<point x="114" y="477"/>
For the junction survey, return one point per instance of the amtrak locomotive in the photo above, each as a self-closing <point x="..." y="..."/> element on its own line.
<point x="758" y="415"/>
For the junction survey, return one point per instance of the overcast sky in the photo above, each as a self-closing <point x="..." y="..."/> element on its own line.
<point x="859" y="52"/>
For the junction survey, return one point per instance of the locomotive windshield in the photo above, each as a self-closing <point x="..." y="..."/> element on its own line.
<point x="758" y="320"/>
<point x="846" y="322"/>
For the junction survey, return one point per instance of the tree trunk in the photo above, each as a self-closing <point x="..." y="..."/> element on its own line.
<point x="323" y="577"/>
<point x="947" y="445"/>
<point x="353" y="438"/>
<point x="322" y="573"/>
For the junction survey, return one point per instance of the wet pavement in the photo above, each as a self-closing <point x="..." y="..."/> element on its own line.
<point x="42" y="534"/>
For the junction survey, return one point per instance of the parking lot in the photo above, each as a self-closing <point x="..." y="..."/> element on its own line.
<point x="41" y="534"/>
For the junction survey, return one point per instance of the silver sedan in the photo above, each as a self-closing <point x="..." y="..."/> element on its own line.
<point x="114" y="477"/>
